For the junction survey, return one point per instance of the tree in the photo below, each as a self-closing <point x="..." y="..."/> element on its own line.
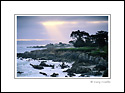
<point x="100" y="38"/>
<point x="71" y="42"/>
<point x="79" y="38"/>
<point x="79" y="35"/>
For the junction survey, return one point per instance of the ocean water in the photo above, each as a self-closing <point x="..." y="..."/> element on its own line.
<point x="23" y="65"/>
<point x="22" y="46"/>
<point x="28" y="71"/>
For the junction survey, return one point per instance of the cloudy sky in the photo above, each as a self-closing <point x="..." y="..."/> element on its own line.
<point x="57" y="28"/>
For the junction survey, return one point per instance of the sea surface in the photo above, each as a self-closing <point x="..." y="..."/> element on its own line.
<point x="22" y="46"/>
<point x="23" y="65"/>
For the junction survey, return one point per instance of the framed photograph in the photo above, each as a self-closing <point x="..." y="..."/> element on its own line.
<point x="62" y="46"/>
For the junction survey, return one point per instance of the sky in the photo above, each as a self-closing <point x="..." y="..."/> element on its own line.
<point x="57" y="28"/>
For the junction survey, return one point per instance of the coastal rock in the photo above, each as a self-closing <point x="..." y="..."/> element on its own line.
<point x="61" y="60"/>
<point x="45" y="65"/>
<point x="90" y="58"/>
<point x="50" y="56"/>
<point x="21" y="58"/>
<point x="61" y="56"/>
<point x="86" y="74"/>
<point x="103" y="62"/>
<point x="43" y="58"/>
<point x="81" y="57"/>
<point x="37" y="66"/>
<point x="105" y="74"/>
<point x="84" y="57"/>
<point x="82" y="61"/>
<point x="52" y="66"/>
<point x="82" y="75"/>
<point x="54" y="75"/>
<point x="71" y="74"/>
<point x="57" y="60"/>
<point x="87" y="56"/>
<point x="43" y="73"/>
<point x="79" y="70"/>
<point x="97" y="59"/>
<point x="82" y="69"/>
<point x="73" y="56"/>
<point x="63" y="65"/>
<point x="97" y="73"/>
<point x="100" y="67"/>
<point x="66" y="70"/>
<point x="20" y="72"/>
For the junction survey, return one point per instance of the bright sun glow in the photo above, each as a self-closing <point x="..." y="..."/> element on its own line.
<point x="96" y="22"/>
<point x="53" y="23"/>
<point x="53" y="29"/>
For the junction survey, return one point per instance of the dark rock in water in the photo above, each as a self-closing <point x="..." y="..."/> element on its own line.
<point x="82" y="75"/>
<point x="43" y="58"/>
<point x="52" y="66"/>
<point x="29" y="59"/>
<point x="71" y="74"/>
<point x="87" y="76"/>
<point x="21" y="58"/>
<point x="46" y="65"/>
<point x="80" y="70"/>
<point x="43" y="63"/>
<point x="57" y="60"/>
<point x="105" y="74"/>
<point x="19" y="72"/>
<point x="66" y="76"/>
<point x="54" y="75"/>
<point x="43" y="73"/>
<point x="60" y="59"/>
<point x="37" y="66"/>
<point x="63" y="65"/>
<point x="100" y="67"/>
<point x="66" y="70"/>
<point x="97" y="73"/>
<point x="94" y="69"/>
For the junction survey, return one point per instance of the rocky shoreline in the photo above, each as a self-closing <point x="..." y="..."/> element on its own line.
<point x="84" y="63"/>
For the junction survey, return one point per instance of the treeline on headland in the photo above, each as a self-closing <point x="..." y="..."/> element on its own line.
<point x="95" y="45"/>
<point x="82" y="39"/>
<point x="88" y="50"/>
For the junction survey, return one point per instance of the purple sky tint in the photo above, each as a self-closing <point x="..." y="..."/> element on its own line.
<point x="57" y="28"/>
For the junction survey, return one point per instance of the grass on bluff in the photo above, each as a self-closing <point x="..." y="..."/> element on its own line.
<point x="94" y="51"/>
<point x="83" y="49"/>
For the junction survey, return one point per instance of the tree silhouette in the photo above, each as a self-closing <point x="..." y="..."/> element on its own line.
<point x="79" y="38"/>
<point x="100" y="38"/>
<point x="78" y="34"/>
